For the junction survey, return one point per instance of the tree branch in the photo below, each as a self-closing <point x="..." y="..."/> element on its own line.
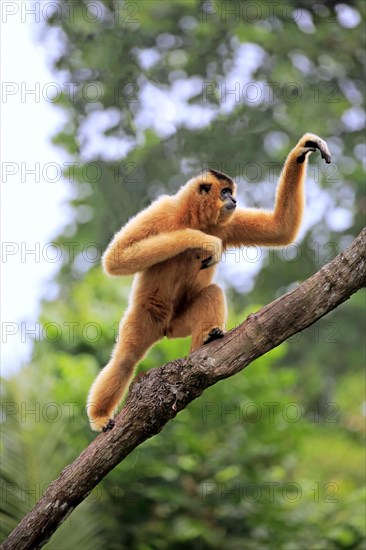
<point x="157" y="397"/>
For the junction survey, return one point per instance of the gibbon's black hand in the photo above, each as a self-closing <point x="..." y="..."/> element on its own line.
<point x="311" y="146"/>
<point x="207" y="262"/>
<point x="323" y="148"/>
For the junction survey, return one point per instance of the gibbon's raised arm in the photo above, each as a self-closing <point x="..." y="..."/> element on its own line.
<point x="121" y="258"/>
<point x="280" y="226"/>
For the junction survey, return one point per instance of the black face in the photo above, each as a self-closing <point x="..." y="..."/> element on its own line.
<point x="229" y="201"/>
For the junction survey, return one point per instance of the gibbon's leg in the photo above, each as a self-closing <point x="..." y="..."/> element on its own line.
<point x="204" y="318"/>
<point x="137" y="332"/>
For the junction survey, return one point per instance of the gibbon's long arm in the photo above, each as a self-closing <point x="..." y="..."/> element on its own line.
<point x="279" y="227"/>
<point x="123" y="259"/>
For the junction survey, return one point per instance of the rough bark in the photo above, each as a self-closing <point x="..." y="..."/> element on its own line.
<point x="157" y="397"/>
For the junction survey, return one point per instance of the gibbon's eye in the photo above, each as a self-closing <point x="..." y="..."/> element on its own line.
<point x="226" y="191"/>
<point x="205" y="188"/>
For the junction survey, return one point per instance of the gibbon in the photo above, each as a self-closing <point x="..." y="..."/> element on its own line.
<point x="173" y="246"/>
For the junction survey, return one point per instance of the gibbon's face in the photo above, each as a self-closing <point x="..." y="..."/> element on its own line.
<point x="217" y="192"/>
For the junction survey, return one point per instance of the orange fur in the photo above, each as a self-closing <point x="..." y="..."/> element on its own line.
<point x="165" y="245"/>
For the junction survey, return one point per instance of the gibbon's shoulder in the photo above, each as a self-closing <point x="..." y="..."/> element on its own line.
<point x="163" y="205"/>
<point x="156" y="217"/>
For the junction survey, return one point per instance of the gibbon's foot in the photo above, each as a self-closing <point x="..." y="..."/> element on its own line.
<point x="214" y="334"/>
<point x="312" y="145"/>
<point x="101" y="423"/>
<point x="109" y="425"/>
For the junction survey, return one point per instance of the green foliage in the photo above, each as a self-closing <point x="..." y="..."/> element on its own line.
<point x="253" y="459"/>
<point x="308" y="78"/>
<point x="37" y="440"/>
<point x="269" y="459"/>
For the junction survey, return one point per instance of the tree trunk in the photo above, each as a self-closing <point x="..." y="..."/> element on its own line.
<point x="157" y="397"/>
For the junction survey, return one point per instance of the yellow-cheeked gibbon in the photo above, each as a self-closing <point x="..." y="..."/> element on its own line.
<point x="173" y="247"/>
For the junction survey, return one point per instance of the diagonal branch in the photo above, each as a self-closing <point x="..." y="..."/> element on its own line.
<point x="157" y="397"/>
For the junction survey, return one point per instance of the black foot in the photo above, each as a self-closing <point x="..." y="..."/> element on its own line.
<point x="109" y="425"/>
<point x="214" y="334"/>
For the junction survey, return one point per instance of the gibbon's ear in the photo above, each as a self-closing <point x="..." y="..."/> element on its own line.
<point x="204" y="188"/>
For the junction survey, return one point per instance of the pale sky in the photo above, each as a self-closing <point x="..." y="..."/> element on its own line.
<point x="31" y="211"/>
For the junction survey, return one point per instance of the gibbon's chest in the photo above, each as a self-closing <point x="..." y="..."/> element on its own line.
<point x="178" y="277"/>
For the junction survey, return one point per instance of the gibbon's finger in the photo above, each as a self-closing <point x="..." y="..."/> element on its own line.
<point x="206" y="262"/>
<point x="303" y="152"/>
